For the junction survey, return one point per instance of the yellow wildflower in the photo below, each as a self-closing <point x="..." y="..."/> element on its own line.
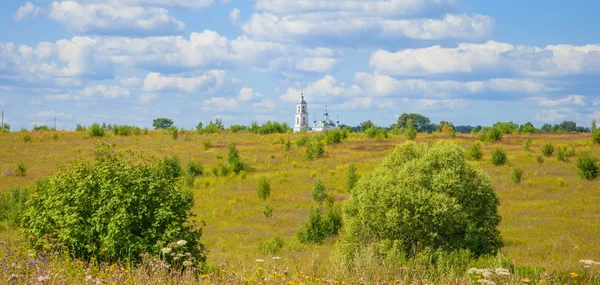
<point x="525" y="280"/>
<point x="574" y="275"/>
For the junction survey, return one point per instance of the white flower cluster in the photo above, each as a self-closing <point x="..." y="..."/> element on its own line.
<point x="587" y="263"/>
<point x="181" y="242"/>
<point x="489" y="273"/>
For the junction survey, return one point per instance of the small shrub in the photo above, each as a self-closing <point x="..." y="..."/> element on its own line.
<point x="302" y="141"/>
<point x="540" y="159"/>
<point x="587" y="166"/>
<point x="172" y="166"/>
<point x="80" y="128"/>
<point x="527" y="143"/>
<point x="175" y="134"/>
<point x="206" y="144"/>
<point x="561" y="154"/>
<point x="499" y="157"/>
<point x="318" y="193"/>
<point x="55" y="137"/>
<point x="288" y="144"/>
<point x="263" y="189"/>
<point x="26" y="138"/>
<point x="318" y="227"/>
<point x="315" y="148"/>
<point x="96" y="130"/>
<point x="548" y="149"/>
<point x="194" y="168"/>
<point x="596" y="136"/>
<point x="271" y="246"/>
<point x="188" y="180"/>
<point x="20" y="170"/>
<point x="235" y="161"/>
<point x="560" y="181"/>
<point x="351" y="177"/>
<point x="268" y="211"/>
<point x="475" y="151"/>
<point x="516" y="175"/>
<point x="333" y="136"/>
<point x="493" y="135"/>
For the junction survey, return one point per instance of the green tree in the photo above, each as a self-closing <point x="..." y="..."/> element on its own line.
<point x="4" y="128"/>
<point x="527" y="128"/>
<point x="162" y="123"/>
<point x="499" y="156"/>
<point x="351" y="177"/>
<point x="365" y="125"/>
<point x="263" y="189"/>
<point x="411" y="132"/>
<point x="546" y="128"/>
<point x="422" y="123"/>
<point x="587" y="166"/>
<point x="315" y="148"/>
<point x="235" y="161"/>
<point x="421" y="196"/>
<point x="318" y="193"/>
<point x="593" y="128"/>
<point x="96" y="130"/>
<point x="112" y="209"/>
<point x="475" y="151"/>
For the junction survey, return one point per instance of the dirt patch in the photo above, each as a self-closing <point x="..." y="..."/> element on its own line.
<point x="374" y="147"/>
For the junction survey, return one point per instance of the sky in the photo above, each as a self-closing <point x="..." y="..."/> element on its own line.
<point x="131" y="61"/>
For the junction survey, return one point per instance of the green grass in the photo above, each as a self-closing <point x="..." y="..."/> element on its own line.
<point x="545" y="223"/>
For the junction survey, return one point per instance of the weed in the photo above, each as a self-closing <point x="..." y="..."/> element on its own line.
<point x="263" y="189"/>
<point x="194" y="168"/>
<point x="26" y="138"/>
<point x="20" y="170"/>
<point x="527" y="143"/>
<point x="271" y="246"/>
<point x="268" y="211"/>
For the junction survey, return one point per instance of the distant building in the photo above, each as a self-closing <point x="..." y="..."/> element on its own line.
<point x="301" y="119"/>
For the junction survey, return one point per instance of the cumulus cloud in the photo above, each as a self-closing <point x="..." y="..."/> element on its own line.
<point x="491" y="56"/>
<point x="220" y="104"/>
<point x="92" y="92"/>
<point x="322" y="90"/>
<point x="208" y="81"/>
<point x="234" y="15"/>
<point x="554" y="115"/>
<point x="570" y="100"/>
<point x="186" y="4"/>
<point x="25" y="11"/>
<point x="105" y="19"/>
<point x="248" y="94"/>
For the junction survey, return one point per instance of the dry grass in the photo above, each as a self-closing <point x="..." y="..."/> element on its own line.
<point x="545" y="222"/>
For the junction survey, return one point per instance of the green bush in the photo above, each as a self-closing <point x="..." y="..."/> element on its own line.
<point x="333" y="136"/>
<point x="235" y="161"/>
<point x="527" y="143"/>
<point x="112" y="210"/>
<point x="96" y="130"/>
<point x="475" y="151"/>
<point x="26" y="138"/>
<point x="195" y="168"/>
<point x="493" y="135"/>
<point x="596" y="136"/>
<point x="268" y="211"/>
<point x="302" y="141"/>
<point x="288" y="144"/>
<point x="540" y="159"/>
<point x="410" y="133"/>
<point x="126" y="130"/>
<point x="12" y="205"/>
<point x="172" y="166"/>
<point x="421" y="196"/>
<point x="206" y="144"/>
<point x="587" y="166"/>
<point x="20" y="170"/>
<point x="499" y="156"/>
<point x="351" y="177"/>
<point x="80" y="128"/>
<point x="269" y="128"/>
<point x="271" y="246"/>
<point x="318" y="192"/>
<point x="516" y="175"/>
<point x="318" y="228"/>
<point x="263" y="189"/>
<point x="548" y="149"/>
<point x="315" y="148"/>
<point x="40" y="128"/>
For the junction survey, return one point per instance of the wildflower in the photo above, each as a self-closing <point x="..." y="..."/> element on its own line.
<point x="187" y="263"/>
<point x="188" y="254"/>
<point x="502" y="271"/>
<point x="525" y="280"/>
<point x="260" y="260"/>
<point x="472" y="270"/>
<point x="574" y="275"/>
<point x="204" y="276"/>
<point x="166" y="250"/>
<point x="12" y="277"/>
<point x="276" y="258"/>
<point x="43" y="278"/>
<point x="181" y="242"/>
<point x="589" y="262"/>
<point x="486" y="282"/>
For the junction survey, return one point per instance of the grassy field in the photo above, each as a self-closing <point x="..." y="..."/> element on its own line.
<point x="550" y="220"/>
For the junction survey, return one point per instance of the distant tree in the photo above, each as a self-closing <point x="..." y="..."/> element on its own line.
<point x="422" y="123"/>
<point x="506" y="127"/>
<point x="162" y="123"/>
<point x="5" y="127"/>
<point x="366" y="125"/>
<point x="199" y="126"/>
<point x="593" y="127"/>
<point x="527" y="128"/>
<point x="219" y="124"/>
<point x="568" y="126"/>
<point x="546" y="128"/>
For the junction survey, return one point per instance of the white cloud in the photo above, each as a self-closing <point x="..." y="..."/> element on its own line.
<point x="248" y="94"/>
<point x="92" y="92"/>
<point x="146" y="98"/>
<point x="234" y="15"/>
<point x="265" y="105"/>
<point x="356" y="103"/>
<point x="186" y="4"/>
<point x="131" y="81"/>
<point x="49" y="114"/>
<point x="220" y="104"/>
<point x="208" y="81"/>
<point x="111" y="20"/>
<point x="318" y="64"/>
<point x="372" y="7"/>
<point x="27" y="10"/>
<point x="570" y="100"/>
<point x="322" y="90"/>
<point x="554" y="115"/>
<point x="491" y="57"/>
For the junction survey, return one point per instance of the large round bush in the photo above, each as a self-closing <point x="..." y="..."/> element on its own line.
<point x="422" y="197"/>
<point x="113" y="209"/>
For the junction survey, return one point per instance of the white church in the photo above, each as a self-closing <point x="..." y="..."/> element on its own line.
<point x="301" y="121"/>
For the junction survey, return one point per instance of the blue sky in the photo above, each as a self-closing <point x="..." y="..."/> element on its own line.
<point x="130" y="61"/>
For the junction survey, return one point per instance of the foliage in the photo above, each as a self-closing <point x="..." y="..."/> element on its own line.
<point x="318" y="192"/>
<point x="527" y="128"/>
<point x="211" y="128"/>
<point x="80" y="128"/>
<point x="96" y="130"/>
<point x="237" y="128"/>
<point x="26" y="138"/>
<point x="421" y="196"/>
<point x="126" y="130"/>
<point x="593" y="127"/>
<point x="411" y="132"/>
<point x="596" y="136"/>
<point x="5" y="127"/>
<point x="20" y="170"/>
<point x="268" y="211"/>
<point x="351" y="177"/>
<point x="365" y="125"/>
<point x="288" y="144"/>
<point x="499" y="156"/>
<point x="171" y="166"/>
<point x="40" y="128"/>
<point x="302" y="141"/>
<point x="587" y="166"/>
<point x="263" y="189"/>
<point x="475" y="151"/>
<point x="162" y="123"/>
<point x="271" y="246"/>
<point x="420" y="122"/>
<point x="112" y="209"/>
<point x="194" y="168"/>
<point x="376" y="132"/>
<point x="206" y="144"/>
<point x="235" y="161"/>
<point x="318" y="228"/>
<point x="335" y="136"/>
<point x="315" y="148"/>
<point x="516" y="175"/>
<point x="548" y="149"/>
<point x="493" y="135"/>
<point x="540" y="159"/>
<point x="527" y="143"/>
<point x="12" y="205"/>
<point x="506" y="127"/>
<point x="269" y="128"/>
<point x="174" y="132"/>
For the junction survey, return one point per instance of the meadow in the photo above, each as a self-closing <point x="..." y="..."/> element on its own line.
<point x="550" y="220"/>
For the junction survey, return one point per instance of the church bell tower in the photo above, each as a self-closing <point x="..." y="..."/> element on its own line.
<point x="301" y="120"/>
